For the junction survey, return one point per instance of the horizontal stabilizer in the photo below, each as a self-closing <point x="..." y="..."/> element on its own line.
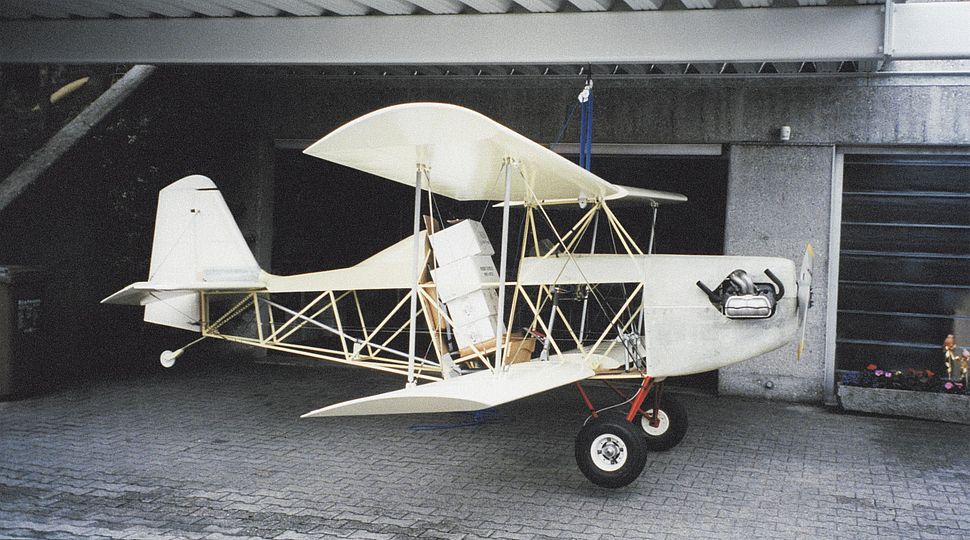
<point x="147" y="292"/>
<point x="471" y="392"/>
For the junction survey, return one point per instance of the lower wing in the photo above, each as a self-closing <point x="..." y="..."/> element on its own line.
<point x="470" y="392"/>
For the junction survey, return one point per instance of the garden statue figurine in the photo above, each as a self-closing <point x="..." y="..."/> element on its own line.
<point x="965" y="366"/>
<point x="952" y="362"/>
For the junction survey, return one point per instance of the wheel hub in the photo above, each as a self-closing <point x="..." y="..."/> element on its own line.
<point x="608" y="452"/>
<point x="663" y="423"/>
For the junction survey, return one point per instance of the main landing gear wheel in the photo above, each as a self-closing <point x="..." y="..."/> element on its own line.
<point x="610" y="451"/>
<point x="671" y="423"/>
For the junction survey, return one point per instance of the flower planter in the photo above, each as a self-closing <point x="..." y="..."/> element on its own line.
<point x="953" y="408"/>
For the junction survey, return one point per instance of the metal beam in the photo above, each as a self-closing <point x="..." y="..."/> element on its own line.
<point x="489" y="6"/>
<point x="639" y="5"/>
<point x="58" y="145"/>
<point x="707" y="68"/>
<point x="116" y="8"/>
<point x="209" y="8"/>
<point x="826" y="33"/>
<point x="340" y="7"/>
<point x="249" y="7"/>
<point x="931" y="31"/>
<point x="635" y="69"/>
<point x="302" y="8"/>
<point x="440" y="7"/>
<point x="181" y="8"/>
<point x="527" y="70"/>
<point x="698" y="4"/>
<point x="592" y="5"/>
<point x="540" y="6"/>
<point x="390" y="7"/>
<point x="81" y="9"/>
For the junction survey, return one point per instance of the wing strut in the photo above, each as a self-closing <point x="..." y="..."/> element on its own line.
<point x="592" y="250"/>
<point x="418" y="259"/>
<point x="653" y="227"/>
<point x="653" y="232"/>
<point x="500" y="324"/>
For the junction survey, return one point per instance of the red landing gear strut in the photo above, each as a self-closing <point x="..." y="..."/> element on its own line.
<point x="636" y="406"/>
<point x="611" y="450"/>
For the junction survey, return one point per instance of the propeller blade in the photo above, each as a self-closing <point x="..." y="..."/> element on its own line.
<point x="804" y="295"/>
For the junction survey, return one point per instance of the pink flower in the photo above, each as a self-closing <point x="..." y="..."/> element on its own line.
<point x="888" y="375"/>
<point x="879" y="373"/>
<point x="948" y="385"/>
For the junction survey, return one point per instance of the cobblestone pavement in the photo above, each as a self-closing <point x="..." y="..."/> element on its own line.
<point x="220" y="452"/>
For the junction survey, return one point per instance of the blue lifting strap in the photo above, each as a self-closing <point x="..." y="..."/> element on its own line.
<point x="586" y="126"/>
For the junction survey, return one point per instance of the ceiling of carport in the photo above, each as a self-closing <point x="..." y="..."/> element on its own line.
<point x="100" y="9"/>
<point x="458" y="37"/>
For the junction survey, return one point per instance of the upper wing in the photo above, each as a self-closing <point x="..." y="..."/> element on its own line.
<point x="464" y="151"/>
<point x="648" y="197"/>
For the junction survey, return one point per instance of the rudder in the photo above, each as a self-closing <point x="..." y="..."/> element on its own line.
<point x="196" y="238"/>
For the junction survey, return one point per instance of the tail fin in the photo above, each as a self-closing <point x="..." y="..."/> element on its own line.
<point x="196" y="238"/>
<point x="197" y="246"/>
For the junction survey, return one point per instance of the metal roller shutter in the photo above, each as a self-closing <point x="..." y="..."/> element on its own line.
<point x="904" y="270"/>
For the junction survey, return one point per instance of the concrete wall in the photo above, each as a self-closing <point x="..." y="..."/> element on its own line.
<point x="778" y="200"/>
<point x="898" y="110"/>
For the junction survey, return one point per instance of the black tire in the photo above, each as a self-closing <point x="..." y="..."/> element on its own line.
<point x="610" y="451"/>
<point x="672" y="419"/>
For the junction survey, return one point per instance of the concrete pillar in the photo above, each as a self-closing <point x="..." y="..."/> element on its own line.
<point x="779" y="199"/>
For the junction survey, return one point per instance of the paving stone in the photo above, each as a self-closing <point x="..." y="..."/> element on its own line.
<point x="219" y="451"/>
<point x="290" y="535"/>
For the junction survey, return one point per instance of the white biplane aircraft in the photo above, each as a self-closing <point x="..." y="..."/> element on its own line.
<point x="675" y="314"/>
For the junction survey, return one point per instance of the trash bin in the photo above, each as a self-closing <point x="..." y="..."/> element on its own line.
<point x="21" y="306"/>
